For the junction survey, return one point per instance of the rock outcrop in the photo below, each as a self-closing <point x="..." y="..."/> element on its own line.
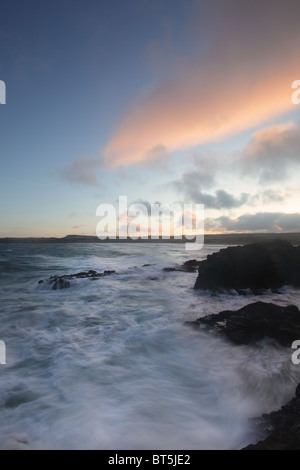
<point x="266" y="265"/>
<point x="284" y="425"/>
<point x="256" y="321"/>
<point x="63" y="282"/>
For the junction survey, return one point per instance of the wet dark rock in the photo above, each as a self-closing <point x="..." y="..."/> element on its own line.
<point x="189" y="266"/>
<point x="283" y="427"/>
<point x="63" y="282"/>
<point x="256" y="321"/>
<point x="265" y="265"/>
<point x="192" y="263"/>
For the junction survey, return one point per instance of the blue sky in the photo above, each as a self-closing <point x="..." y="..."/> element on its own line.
<point x="157" y="100"/>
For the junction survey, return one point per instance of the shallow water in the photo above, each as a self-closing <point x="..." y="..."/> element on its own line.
<point x="109" y="364"/>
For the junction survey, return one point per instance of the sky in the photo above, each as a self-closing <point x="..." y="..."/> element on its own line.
<point x="162" y="101"/>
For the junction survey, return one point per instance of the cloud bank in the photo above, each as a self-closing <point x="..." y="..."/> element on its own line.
<point x="261" y="221"/>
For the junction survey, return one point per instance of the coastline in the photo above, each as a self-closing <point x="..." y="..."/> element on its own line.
<point x="215" y="239"/>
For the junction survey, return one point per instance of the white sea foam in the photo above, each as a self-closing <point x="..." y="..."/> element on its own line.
<point x="110" y="364"/>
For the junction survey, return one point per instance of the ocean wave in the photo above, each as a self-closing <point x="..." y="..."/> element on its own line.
<point x="110" y="364"/>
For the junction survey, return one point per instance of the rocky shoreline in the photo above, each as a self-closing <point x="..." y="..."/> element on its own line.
<point x="255" y="268"/>
<point x="254" y="322"/>
<point x="268" y="265"/>
<point x="283" y="427"/>
<point x="247" y="326"/>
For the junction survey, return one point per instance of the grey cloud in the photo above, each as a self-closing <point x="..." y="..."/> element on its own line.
<point x="221" y="200"/>
<point x="203" y="176"/>
<point x="191" y="181"/>
<point x="261" y="221"/>
<point x="189" y="185"/>
<point x="81" y="171"/>
<point x="206" y="168"/>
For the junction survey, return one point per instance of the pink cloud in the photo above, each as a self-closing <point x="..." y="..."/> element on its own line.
<point x="241" y="79"/>
<point x="272" y="152"/>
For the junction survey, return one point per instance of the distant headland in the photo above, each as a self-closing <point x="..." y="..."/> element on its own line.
<point x="215" y="239"/>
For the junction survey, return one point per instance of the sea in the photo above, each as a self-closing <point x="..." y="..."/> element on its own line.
<point x="112" y="364"/>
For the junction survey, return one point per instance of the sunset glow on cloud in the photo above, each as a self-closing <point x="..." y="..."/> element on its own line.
<point x="176" y="121"/>
<point x="210" y="96"/>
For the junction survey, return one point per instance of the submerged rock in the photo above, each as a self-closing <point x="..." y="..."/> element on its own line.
<point x="284" y="425"/>
<point x="63" y="282"/>
<point x="266" y="265"/>
<point x="256" y="321"/>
